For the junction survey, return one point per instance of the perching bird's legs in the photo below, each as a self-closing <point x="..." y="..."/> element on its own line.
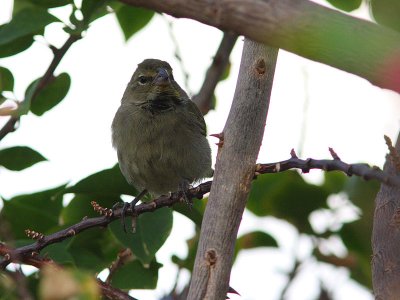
<point x="132" y="205"/>
<point x="183" y="187"/>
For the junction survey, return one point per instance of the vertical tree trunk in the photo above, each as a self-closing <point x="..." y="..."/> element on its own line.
<point x="234" y="171"/>
<point x="386" y="238"/>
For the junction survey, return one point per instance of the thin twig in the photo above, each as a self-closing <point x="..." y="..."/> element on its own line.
<point x="29" y="254"/>
<point x="204" y="98"/>
<point x="113" y="293"/>
<point x="178" y="54"/>
<point x="123" y="257"/>
<point x="10" y="126"/>
<point x="362" y="170"/>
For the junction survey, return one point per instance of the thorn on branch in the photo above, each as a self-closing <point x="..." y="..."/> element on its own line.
<point x="334" y="154"/>
<point x="34" y="234"/>
<point x="293" y="153"/>
<point x="219" y="136"/>
<point x="393" y="154"/>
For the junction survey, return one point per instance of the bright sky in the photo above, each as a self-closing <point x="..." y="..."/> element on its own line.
<point x="344" y="112"/>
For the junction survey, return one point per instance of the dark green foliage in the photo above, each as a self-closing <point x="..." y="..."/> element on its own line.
<point x="26" y="22"/>
<point x="152" y="230"/>
<point x="255" y="239"/>
<point x="109" y="182"/>
<point x="93" y="9"/>
<point x="19" y="158"/>
<point x="16" y="46"/>
<point x="6" y="80"/>
<point x="134" y="275"/>
<point x="50" y="95"/>
<point x="93" y="249"/>
<point x="346" y="5"/>
<point x="386" y="12"/>
<point x="132" y="19"/>
<point x="286" y="195"/>
<point x="37" y="211"/>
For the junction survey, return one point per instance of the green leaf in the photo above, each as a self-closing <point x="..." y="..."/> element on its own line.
<point x="26" y="22"/>
<point x="346" y="5"/>
<point x="152" y="230"/>
<point x="255" y="239"/>
<point x="47" y="3"/>
<point x="80" y="207"/>
<point x="286" y="195"/>
<point x="94" y="249"/>
<point x="19" y="158"/>
<point x="50" y="95"/>
<point x="38" y="211"/>
<point x="16" y="46"/>
<point x="6" y="80"/>
<point x="386" y="12"/>
<point x="195" y="212"/>
<point x="93" y="9"/>
<point x="109" y="182"/>
<point x="134" y="275"/>
<point x="132" y="19"/>
<point x="59" y="253"/>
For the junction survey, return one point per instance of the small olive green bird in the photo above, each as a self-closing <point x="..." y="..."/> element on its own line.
<point x="159" y="133"/>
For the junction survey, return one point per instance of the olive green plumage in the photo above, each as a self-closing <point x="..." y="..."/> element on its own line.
<point x="159" y="133"/>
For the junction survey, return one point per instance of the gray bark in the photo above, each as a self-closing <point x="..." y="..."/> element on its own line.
<point x="234" y="172"/>
<point x="386" y="238"/>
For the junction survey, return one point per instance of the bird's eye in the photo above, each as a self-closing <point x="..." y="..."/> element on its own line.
<point x="143" y="80"/>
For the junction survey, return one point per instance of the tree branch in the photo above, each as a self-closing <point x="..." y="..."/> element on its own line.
<point x="204" y="97"/>
<point x="302" y="27"/>
<point x="113" y="293"/>
<point x="234" y="171"/>
<point x="10" y="126"/>
<point x="30" y="254"/>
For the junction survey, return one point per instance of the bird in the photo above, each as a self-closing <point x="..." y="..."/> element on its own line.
<point x="159" y="133"/>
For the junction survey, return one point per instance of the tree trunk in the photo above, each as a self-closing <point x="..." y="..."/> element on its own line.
<point x="386" y="237"/>
<point x="234" y="172"/>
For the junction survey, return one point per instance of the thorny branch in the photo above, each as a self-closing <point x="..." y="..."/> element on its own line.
<point x="30" y="254"/>
<point x="59" y="53"/>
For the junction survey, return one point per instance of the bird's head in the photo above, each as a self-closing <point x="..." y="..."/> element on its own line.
<point x="153" y="81"/>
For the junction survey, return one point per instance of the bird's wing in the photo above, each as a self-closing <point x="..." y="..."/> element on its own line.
<point x="197" y="117"/>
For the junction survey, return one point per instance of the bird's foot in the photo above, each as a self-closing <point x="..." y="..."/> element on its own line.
<point x="182" y="190"/>
<point x="129" y="206"/>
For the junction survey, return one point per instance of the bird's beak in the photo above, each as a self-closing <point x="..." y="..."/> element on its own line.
<point x="162" y="77"/>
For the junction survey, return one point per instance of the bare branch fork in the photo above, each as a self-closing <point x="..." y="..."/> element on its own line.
<point x="30" y="254"/>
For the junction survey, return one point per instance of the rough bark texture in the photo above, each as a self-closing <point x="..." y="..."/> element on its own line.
<point x="234" y="172"/>
<point x="386" y="238"/>
<point x="302" y="27"/>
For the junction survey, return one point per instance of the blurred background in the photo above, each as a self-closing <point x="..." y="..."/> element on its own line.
<point x="313" y="107"/>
